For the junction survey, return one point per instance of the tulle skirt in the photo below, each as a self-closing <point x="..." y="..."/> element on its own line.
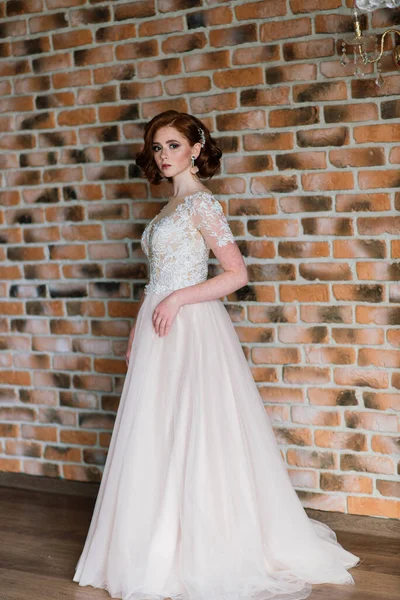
<point x="195" y="502"/>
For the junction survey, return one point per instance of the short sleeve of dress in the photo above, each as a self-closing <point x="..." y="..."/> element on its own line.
<point x="210" y="220"/>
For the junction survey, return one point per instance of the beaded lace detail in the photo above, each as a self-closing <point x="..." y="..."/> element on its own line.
<point x="178" y="245"/>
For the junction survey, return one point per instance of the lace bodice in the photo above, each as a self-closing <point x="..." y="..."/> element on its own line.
<point x="178" y="245"/>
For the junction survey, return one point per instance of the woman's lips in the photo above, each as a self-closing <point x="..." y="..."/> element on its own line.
<point x="165" y="166"/>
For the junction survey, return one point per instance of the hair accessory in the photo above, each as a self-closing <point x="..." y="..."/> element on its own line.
<point x="202" y="137"/>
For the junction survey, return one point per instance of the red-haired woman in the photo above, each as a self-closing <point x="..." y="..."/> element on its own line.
<point x="195" y="502"/>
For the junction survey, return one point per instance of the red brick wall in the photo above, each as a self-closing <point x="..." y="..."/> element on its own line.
<point x="310" y="183"/>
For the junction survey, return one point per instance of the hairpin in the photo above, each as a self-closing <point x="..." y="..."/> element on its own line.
<point x="202" y="136"/>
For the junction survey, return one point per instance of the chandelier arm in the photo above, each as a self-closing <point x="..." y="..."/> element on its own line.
<point x="377" y="58"/>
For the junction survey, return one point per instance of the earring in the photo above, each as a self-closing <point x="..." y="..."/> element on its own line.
<point x="193" y="168"/>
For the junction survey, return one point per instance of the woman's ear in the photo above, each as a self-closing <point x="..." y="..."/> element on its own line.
<point x="196" y="149"/>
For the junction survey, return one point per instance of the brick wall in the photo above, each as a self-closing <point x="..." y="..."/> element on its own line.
<point x="311" y="186"/>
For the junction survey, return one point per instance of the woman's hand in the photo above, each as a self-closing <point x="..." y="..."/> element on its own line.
<point x="165" y="313"/>
<point x="130" y="341"/>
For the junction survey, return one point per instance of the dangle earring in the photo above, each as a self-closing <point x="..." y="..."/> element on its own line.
<point x="193" y="168"/>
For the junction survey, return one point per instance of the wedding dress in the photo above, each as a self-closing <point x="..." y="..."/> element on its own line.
<point x="195" y="502"/>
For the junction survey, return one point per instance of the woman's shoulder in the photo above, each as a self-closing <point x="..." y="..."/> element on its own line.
<point x="203" y="199"/>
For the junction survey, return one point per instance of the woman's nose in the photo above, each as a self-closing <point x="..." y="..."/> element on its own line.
<point x="163" y="154"/>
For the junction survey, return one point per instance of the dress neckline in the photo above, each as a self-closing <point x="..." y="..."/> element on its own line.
<point x="153" y="222"/>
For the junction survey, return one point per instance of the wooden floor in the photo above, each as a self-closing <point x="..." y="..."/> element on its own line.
<point x="42" y="534"/>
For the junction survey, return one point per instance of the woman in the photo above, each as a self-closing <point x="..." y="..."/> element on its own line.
<point x="195" y="502"/>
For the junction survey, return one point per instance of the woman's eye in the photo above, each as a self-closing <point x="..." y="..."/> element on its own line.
<point x="156" y="148"/>
<point x="174" y="145"/>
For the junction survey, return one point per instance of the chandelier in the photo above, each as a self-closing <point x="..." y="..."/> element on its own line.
<point x="363" y="44"/>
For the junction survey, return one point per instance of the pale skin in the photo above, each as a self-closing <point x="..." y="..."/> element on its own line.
<point x="170" y="147"/>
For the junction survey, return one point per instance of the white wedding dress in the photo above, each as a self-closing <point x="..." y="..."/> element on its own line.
<point x="195" y="502"/>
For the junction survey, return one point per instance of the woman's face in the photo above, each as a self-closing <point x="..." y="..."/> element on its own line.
<point x="172" y="151"/>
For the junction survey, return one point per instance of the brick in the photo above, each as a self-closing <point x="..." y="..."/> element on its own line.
<point x="301" y="161"/>
<point x="307" y="50"/>
<point x="21" y="7"/>
<point x="281" y="394"/>
<point x="233" y="36"/>
<point x="252" y="206"/>
<point x="133" y="50"/>
<point x="379" y="179"/>
<point x="385" y="444"/>
<point x="238" y="77"/>
<point x="134" y="10"/>
<point x="358" y="293"/>
<point x="291" y="28"/>
<point x="268" y="141"/>
<point x="307" y="415"/>
<point x="340" y="440"/>
<point x="48" y="22"/>
<point x="116" y="33"/>
<point x="13" y="29"/>
<point x="347" y="113"/>
<point x="187" y="85"/>
<point x="154" y="68"/>
<point x="346" y="483"/>
<point x="160" y="26"/>
<point x="256" y="55"/>
<point x="273" y="183"/>
<point x="72" y="39"/>
<point x="377" y="133"/>
<point x="327" y="181"/>
<point x="374" y="507"/>
<point x="117" y="72"/>
<point x="184" y="43"/>
<point x="41" y="433"/>
<point x="362" y="202"/>
<point x="306" y="6"/>
<point x="303" y="335"/>
<point x="71" y="79"/>
<point x="334" y="69"/>
<point x="304" y="293"/>
<point x="173" y="5"/>
<point x="245" y="120"/>
<point x="275" y="356"/>
<point x="81" y="116"/>
<point x="337" y="356"/>
<point x="312" y="458"/>
<point x="389" y="359"/>
<point x="333" y="23"/>
<point x="264" y="97"/>
<point x="316" y="92"/>
<point x="29" y="47"/>
<point x="390" y="109"/>
<point x="299" y="204"/>
<point x="300" y="72"/>
<point x="89" y="16"/>
<point x="207" y="103"/>
<point x="17" y="104"/>
<point x="326" y="314"/>
<point x="368" y="88"/>
<point x="248" y="164"/>
<point x="369" y="464"/>
<point x="357" y="157"/>
<point x="286" y="117"/>
<point x="53" y="4"/>
<point x="79" y="473"/>
<point x="379" y="225"/>
<point x="333" y="136"/>
<point x="361" y="377"/>
<point x="207" y="61"/>
<point x="273" y="227"/>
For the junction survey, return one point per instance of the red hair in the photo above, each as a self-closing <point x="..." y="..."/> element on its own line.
<point x="208" y="160"/>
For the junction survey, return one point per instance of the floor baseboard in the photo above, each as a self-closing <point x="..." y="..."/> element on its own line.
<point x="379" y="526"/>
